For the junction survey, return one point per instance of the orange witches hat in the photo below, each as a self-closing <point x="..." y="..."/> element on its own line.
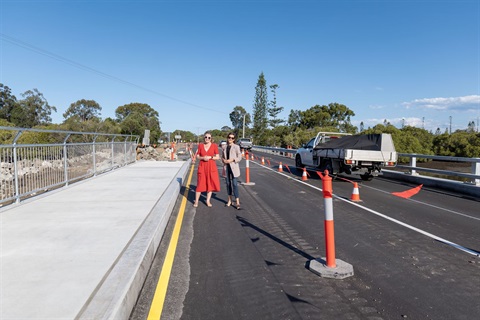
<point x="355" y="194"/>
<point x="304" y="174"/>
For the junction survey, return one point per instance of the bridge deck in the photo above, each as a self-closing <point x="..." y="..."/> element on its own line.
<point x="80" y="251"/>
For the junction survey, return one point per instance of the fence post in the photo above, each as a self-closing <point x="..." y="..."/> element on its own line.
<point x="476" y="171"/>
<point x="113" y="159"/>
<point x="65" y="158"/>
<point x="15" y="166"/>
<point x="125" y="151"/>
<point x="94" y="156"/>
<point x="413" y="163"/>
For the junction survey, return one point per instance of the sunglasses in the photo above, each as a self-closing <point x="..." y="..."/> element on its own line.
<point x="231" y="137"/>
<point x="208" y="137"/>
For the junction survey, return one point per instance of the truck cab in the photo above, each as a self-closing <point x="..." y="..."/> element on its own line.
<point x="304" y="156"/>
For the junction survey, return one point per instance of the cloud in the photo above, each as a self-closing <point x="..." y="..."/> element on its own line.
<point x="462" y="104"/>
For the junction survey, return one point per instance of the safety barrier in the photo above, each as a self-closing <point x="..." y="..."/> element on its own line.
<point x="247" y="171"/>
<point x="330" y="267"/>
<point x="28" y="168"/>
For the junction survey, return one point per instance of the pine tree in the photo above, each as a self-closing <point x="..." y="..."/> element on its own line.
<point x="273" y="111"/>
<point x="260" y="120"/>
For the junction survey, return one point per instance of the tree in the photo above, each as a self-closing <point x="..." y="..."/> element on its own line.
<point x="32" y="111"/>
<point x="316" y="116"/>
<point x="226" y="129"/>
<point x="260" y="120"/>
<point x="83" y="110"/>
<point x="341" y="117"/>
<point x="273" y="111"/>
<point x="7" y="102"/>
<point x="236" y="117"/>
<point x="294" y="119"/>
<point x="124" y="111"/>
<point x="335" y="115"/>
<point x="186" y="135"/>
<point x="135" y="118"/>
<point x="423" y="136"/>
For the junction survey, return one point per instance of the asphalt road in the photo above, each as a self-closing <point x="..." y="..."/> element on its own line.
<point x="413" y="258"/>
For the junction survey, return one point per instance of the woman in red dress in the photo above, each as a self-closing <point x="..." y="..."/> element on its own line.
<point x="207" y="172"/>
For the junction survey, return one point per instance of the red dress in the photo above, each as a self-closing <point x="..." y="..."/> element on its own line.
<point x="207" y="173"/>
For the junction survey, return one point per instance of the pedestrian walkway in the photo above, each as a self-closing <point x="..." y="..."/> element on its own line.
<point x="83" y="251"/>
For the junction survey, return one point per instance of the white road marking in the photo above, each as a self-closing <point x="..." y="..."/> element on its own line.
<point x="429" y="205"/>
<point x="450" y="243"/>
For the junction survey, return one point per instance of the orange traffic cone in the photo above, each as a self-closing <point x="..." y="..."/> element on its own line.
<point x="263" y="161"/>
<point x="243" y="153"/>
<point x="304" y="175"/>
<point x="280" y="168"/>
<point x="355" y="194"/>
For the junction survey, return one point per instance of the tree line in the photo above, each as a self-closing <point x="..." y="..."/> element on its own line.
<point x="263" y="125"/>
<point x="267" y="130"/>
<point x="34" y="111"/>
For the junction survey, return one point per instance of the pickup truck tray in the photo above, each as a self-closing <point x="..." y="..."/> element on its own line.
<point x="374" y="142"/>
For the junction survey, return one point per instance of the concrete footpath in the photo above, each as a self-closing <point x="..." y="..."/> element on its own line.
<point x="83" y="251"/>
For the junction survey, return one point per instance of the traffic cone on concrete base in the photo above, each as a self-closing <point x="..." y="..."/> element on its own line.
<point x="355" y="194"/>
<point x="263" y="161"/>
<point x="304" y="175"/>
<point x="280" y="168"/>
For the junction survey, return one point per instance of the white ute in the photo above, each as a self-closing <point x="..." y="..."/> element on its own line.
<point x="364" y="155"/>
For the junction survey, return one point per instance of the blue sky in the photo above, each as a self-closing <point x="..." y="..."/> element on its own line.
<point x="409" y="62"/>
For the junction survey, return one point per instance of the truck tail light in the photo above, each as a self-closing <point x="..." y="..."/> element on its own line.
<point x="349" y="161"/>
<point x="390" y="164"/>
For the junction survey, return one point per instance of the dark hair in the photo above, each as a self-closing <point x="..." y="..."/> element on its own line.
<point x="231" y="133"/>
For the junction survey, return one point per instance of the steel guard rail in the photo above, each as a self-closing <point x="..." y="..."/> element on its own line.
<point x="473" y="177"/>
<point x="33" y="161"/>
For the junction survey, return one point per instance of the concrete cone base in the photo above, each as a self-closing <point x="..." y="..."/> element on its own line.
<point x="341" y="271"/>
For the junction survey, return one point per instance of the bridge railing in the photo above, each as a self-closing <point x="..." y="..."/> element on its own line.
<point x="413" y="169"/>
<point x="28" y="167"/>
<point x="473" y="177"/>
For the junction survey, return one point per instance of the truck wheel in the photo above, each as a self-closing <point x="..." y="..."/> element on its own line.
<point x="366" y="177"/>
<point x="298" y="162"/>
<point x="326" y="164"/>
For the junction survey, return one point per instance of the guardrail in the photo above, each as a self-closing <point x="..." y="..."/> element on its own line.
<point x="289" y="153"/>
<point x="471" y="178"/>
<point x="28" y="168"/>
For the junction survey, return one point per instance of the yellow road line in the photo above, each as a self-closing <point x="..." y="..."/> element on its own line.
<point x="162" y="285"/>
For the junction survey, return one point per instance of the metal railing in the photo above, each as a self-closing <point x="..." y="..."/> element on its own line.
<point x="33" y="161"/>
<point x="471" y="178"/>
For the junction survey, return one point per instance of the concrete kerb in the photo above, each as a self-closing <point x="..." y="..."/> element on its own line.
<point x="117" y="294"/>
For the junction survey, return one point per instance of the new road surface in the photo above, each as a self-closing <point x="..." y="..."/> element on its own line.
<point x="414" y="251"/>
